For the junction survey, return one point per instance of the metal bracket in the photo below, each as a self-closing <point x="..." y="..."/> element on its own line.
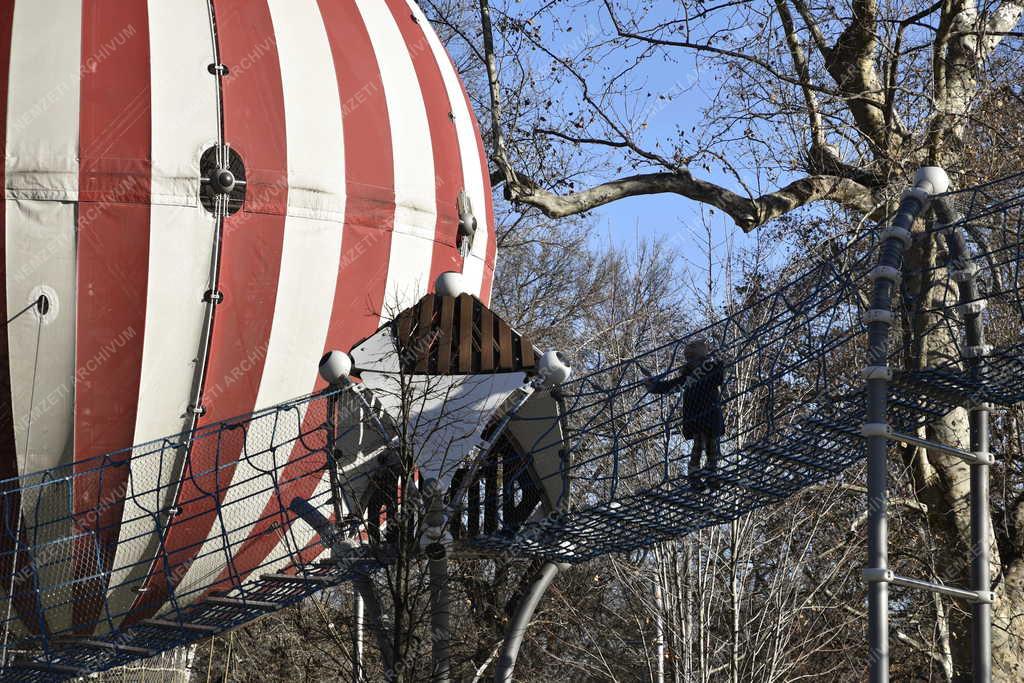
<point x="965" y="274"/>
<point x="979" y="351"/>
<point x="984" y="458"/>
<point x="870" y="429"/>
<point x="877" y="575"/>
<point x="213" y="296"/>
<point x="878" y="372"/>
<point x="973" y="307"/>
<point x="879" y="315"/>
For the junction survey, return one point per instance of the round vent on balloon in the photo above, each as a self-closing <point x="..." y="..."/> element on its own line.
<point x="222" y="190"/>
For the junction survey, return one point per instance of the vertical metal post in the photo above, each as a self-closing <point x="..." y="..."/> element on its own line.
<point x="358" y="617"/>
<point x="659" y="625"/>
<point x="439" y="613"/>
<point x="878" y="537"/>
<point x="332" y="465"/>
<point x="886" y="278"/>
<point x="437" y="560"/>
<point x="972" y="305"/>
<point x="981" y="611"/>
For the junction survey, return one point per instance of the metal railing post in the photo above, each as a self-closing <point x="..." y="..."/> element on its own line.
<point x="971" y="308"/>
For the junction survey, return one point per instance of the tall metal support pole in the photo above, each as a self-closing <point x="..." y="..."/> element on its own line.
<point x="972" y="305"/>
<point x="659" y="625"/>
<point x="886" y="277"/>
<point x="358" y="618"/>
<point x="437" y="559"/>
<point x="981" y="611"/>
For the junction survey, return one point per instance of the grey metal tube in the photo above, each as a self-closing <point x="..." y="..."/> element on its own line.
<point x="358" y="617"/>
<point x="981" y="612"/>
<point x="437" y="561"/>
<point x="891" y="257"/>
<point x="440" y="611"/>
<point x="521" y="620"/>
<point x="980" y="576"/>
<point x="364" y="587"/>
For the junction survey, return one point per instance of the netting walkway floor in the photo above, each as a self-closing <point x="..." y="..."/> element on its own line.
<point x="807" y="452"/>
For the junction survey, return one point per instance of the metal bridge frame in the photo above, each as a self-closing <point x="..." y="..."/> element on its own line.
<point x="886" y="276"/>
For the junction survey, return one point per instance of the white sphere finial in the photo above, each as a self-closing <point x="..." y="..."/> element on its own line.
<point x="450" y="284"/>
<point x="335" y="367"/>
<point x="553" y="368"/>
<point x="931" y="179"/>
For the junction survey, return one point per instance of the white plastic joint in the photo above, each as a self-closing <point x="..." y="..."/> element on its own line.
<point x="977" y="351"/>
<point x="876" y="429"/>
<point x="984" y="405"/>
<point x="879" y="315"/>
<point x="931" y="179"/>
<point x="972" y="307"/>
<point x="983" y="597"/>
<point x="965" y="273"/>
<point x="897" y="233"/>
<point x="877" y="575"/>
<point x="878" y="372"/>
<point x="886" y="273"/>
<point x="984" y="457"/>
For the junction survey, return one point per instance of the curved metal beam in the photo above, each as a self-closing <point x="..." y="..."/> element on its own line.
<point x="521" y="620"/>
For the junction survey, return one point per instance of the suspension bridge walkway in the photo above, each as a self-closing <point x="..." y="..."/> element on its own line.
<point x="794" y="401"/>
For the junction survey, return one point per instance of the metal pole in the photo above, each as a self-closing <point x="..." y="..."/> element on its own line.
<point x="981" y="612"/>
<point x="437" y="560"/>
<point x="964" y="273"/>
<point x="886" y="278"/>
<point x="439" y="613"/>
<point x="659" y="625"/>
<point x="521" y="620"/>
<point x="358" y="616"/>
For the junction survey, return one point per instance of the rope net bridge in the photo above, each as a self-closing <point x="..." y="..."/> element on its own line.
<point x="457" y="421"/>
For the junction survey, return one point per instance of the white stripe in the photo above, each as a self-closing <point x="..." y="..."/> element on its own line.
<point x="310" y="258"/>
<point x="184" y="96"/>
<point x="469" y="150"/>
<point x="184" y="124"/>
<point x="42" y="133"/>
<point x="412" y="244"/>
<point x="43" y="100"/>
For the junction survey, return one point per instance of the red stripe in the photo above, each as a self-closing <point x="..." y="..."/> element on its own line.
<point x="366" y="248"/>
<point x="25" y="595"/>
<point x="254" y="122"/>
<point x="113" y="263"/>
<point x="448" y="177"/>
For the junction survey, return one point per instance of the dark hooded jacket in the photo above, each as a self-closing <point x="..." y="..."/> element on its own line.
<point x="701" y="383"/>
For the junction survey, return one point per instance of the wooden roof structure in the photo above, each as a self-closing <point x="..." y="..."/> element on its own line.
<point x="444" y="335"/>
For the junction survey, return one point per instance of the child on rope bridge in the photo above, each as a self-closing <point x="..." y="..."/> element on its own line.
<point x="700" y="379"/>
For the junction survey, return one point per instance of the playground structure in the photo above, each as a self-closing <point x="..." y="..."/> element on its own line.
<point x="536" y="467"/>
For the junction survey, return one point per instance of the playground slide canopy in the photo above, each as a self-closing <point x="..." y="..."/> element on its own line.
<point x="201" y="198"/>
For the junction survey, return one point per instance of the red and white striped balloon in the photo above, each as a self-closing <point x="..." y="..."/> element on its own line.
<point x="357" y="139"/>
